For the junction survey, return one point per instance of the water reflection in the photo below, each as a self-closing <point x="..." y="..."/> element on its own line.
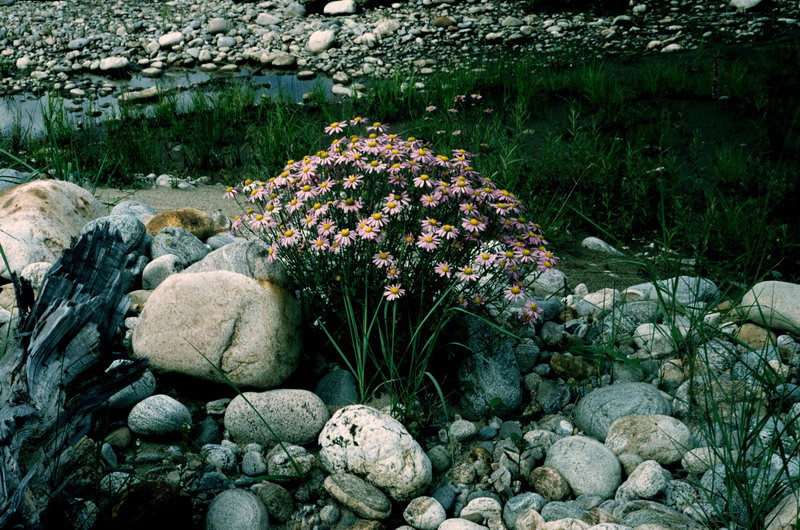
<point x="24" y="113"/>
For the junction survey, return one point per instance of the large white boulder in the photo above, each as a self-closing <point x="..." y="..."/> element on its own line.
<point x="248" y="331"/>
<point x="321" y="40"/>
<point x="364" y="441"/>
<point x="39" y="220"/>
<point x="773" y="304"/>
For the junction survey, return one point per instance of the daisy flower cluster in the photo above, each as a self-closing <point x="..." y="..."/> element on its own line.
<point x="379" y="212"/>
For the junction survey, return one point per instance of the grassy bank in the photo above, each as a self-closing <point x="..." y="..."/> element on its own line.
<point x="699" y="152"/>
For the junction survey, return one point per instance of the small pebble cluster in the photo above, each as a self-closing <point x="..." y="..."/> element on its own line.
<point x="541" y="437"/>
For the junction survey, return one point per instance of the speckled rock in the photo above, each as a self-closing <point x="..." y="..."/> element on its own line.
<point x="596" y="411"/>
<point x="173" y="240"/>
<point x="198" y="223"/>
<point x="247" y="330"/>
<point x="772" y="304"/>
<point x="39" y="220"/>
<point x="129" y="228"/>
<point x="295" y="416"/>
<point x="367" y="442"/>
<point x="358" y="495"/>
<point x="424" y="513"/>
<point x="653" y="437"/>
<point x="160" y="269"/>
<point x="248" y="258"/>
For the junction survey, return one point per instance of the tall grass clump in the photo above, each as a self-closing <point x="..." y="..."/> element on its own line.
<point x="386" y="239"/>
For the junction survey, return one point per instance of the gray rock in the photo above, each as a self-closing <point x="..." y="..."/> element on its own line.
<point x="337" y="389"/>
<point x="460" y="524"/>
<point x="238" y="509"/>
<point x="11" y="177"/>
<point x="160" y="269"/>
<point x="170" y="39"/>
<point x="295" y="416"/>
<point x="358" y="495"/>
<point x="552" y="397"/>
<point x="290" y="460"/>
<point x="551" y="283"/>
<point x="226" y="42"/>
<point x="553" y="511"/>
<point x="596" y="411"/>
<point x="36" y="272"/>
<point x="482" y="508"/>
<point x="640" y="513"/>
<point x="173" y="240"/>
<point x="754" y="365"/>
<point x="218" y="241"/>
<point x="490" y="376"/>
<point x="218" y="25"/>
<point x="598" y="245"/>
<point x="136" y="209"/>
<point x="278" y="501"/>
<point x="446" y="495"/>
<point x="159" y="415"/>
<point x="647" y="480"/>
<point x="219" y="456"/>
<point x="246" y="257"/>
<point x="685" y="290"/>
<point x="424" y="513"/>
<point x="461" y="430"/>
<point x="131" y="229"/>
<point x="340" y="7"/>
<point x="114" y="63"/>
<point x="518" y="504"/>
<point x="586" y="464"/>
<point x="253" y="464"/>
<point x="321" y="40"/>
<point x="135" y="392"/>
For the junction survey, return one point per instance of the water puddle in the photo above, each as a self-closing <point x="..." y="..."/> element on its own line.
<point x="25" y="113"/>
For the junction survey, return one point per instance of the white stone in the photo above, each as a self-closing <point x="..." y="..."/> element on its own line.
<point x="424" y="513"/>
<point x="35" y="273"/>
<point x="23" y="63"/>
<point x="113" y="63"/>
<point x="237" y="508"/>
<point x="460" y="524"/>
<point x="266" y="19"/>
<point x="598" y="245"/>
<point x="159" y="415"/>
<point x="170" y="39"/>
<point x="549" y="283"/>
<point x="39" y="220"/>
<point x="340" y="7"/>
<point x="744" y="5"/>
<point x="386" y="27"/>
<point x="669" y="48"/>
<point x="652" y="437"/>
<point x="656" y="339"/>
<point x="246" y="330"/>
<point x="586" y="464"/>
<point x="773" y="304"/>
<point x="364" y="441"/>
<point x="321" y="40"/>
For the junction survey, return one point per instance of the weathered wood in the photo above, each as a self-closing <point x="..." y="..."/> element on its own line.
<point x="51" y="378"/>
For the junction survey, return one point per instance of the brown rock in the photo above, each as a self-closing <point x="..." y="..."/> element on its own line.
<point x="442" y="22"/>
<point x="138" y="299"/>
<point x="119" y="438"/>
<point x="8" y="300"/>
<point x="196" y="222"/>
<point x="755" y="336"/>
<point x="569" y="366"/>
<point x="785" y="515"/>
<point x="530" y="519"/>
<point x="549" y="483"/>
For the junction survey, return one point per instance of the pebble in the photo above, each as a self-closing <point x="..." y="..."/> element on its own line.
<point x="424" y="513"/>
<point x="238" y="509"/>
<point x="159" y="415"/>
<point x="358" y="495"/>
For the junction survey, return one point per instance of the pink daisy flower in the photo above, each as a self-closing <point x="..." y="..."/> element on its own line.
<point x="431" y="200"/>
<point x="393" y="292"/>
<point x="513" y="292"/>
<point x="367" y="232"/>
<point x="357" y="120"/>
<point x="473" y="224"/>
<point x="382" y="259"/>
<point x="326" y="227"/>
<point x="344" y="237"/>
<point x="230" y="192"/>
<point x="335" y="127"/>
<point x="392" y="207"/>
<point x="485" y="258"/>
<point x="466" y="274"/>
<point x="319" y="244"/>
<point x="289" y="237"/>
<point x="443" y="269"/>
<point x="392" y="272"/>
<point x="378" y="127"/>
<point x="272" y="253"/>
<point x="350" y="205"/>
<point x="428" y="241"/>
<point x="448" y="232"/>
<point x="430" y="108"/>
<point x="423" y="181"/>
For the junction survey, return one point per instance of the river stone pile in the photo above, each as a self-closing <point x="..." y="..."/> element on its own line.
<point x="64" y="45"/>
<point x="632" y="438"/>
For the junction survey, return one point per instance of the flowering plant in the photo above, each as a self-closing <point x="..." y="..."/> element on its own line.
<point x="390" y="221"/>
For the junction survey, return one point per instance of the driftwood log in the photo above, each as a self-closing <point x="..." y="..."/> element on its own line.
<point x="51" y="377"/>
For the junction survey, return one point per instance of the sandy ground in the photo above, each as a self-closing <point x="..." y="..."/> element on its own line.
<point x="205" y="198"/>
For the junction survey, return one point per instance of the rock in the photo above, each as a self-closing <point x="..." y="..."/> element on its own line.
<point x="530" y="519"/>
<point x="159" y="415"/>
<point x="561" y="512"/>
<point x="596" y="411"/>
<point x="685" y="290"/>
<point x="490" y="377"/>
<point x="785" y="515"/>
<point x="198" y="223"/>
<point x="218" y="25"/>
<point x="586" y="465"/>
<point x="744" y="5"/>
<point x="652" y="515"/>
<point x="279" y="502"/>
<point x="226" y="42"/>
<point x="655" y="339"/>
<point x="130" y="228"/>
<point x="461" y="430"/>
<point x="460" y="524"/>
<point x="424" y="513"/>
<point x="266" y="19"/>
<point x="775" y="305"/>
<point x="250" y="331"/>
<point x="699" y="460"/>
<point x="11" y="177"/>
<point x="549" y="483"/>
<point x="340" y="7"/>
<point x="177" y="241"/>
<point x="35" y="273"/>
<point x="170" y="39"/>
<point x="290" y="460"/>
<point x="295" y="416"/>
<point x="358" y="495"/>
<point x="135" y="392"/>
<point x="321" y="40"/>
<point x="442" y="22"/>
<point x="284" y="60"/>
<point x="598" y="245"/>
<point x="39" y="220"/>
<point x="653" y="437"/>
<point x="238" y="509"/>
<point x="137" y="209"/>
<point x="755" y="336"/>
<point x="219" y="457"/>
<point x="113" y="63"/>
<point x="160" y="269"/>
<point x="551" y="283"/>
<point x="337" y="389"/>
<point x="247" y="257"/>
<point x="552" y="397"/>
<point x="367" y="442"/>
<point x="647" y="481"/>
